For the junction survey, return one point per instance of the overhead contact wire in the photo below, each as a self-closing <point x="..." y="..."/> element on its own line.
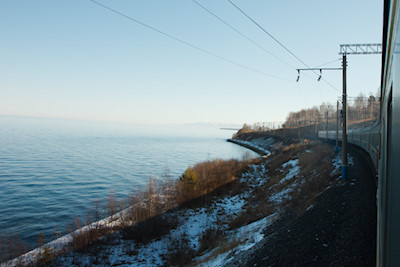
<point x="270" y="35"/>
<point x="330" y="62"/>
<point x="186" y="43"/>
<point x="243" y="35"/>
<point x="277" y="41"/>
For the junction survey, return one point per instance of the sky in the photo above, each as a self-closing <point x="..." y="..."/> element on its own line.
<point x="78" y="60"/>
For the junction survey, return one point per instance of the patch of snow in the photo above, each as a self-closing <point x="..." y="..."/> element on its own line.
<point x="350" y="160"/>
<point x="256" y="176"/>
<point x="217" y="261"/>
<point x="193" y="224"/>
<point x="292" y="162"/>
<point x="150" y="254"/>
<point x="282" y="195"/>
<point x="337" y="163"/>
<point x="254" y="231"/>
<point x="310" y="208"/>
<point x="279" y="197"/>
<point x="249" y="235"/>
<point x="197" y="222"/>
<point x="62" y="243"/>
<point x="295" y="169"/>
<point x="232" y="205"/>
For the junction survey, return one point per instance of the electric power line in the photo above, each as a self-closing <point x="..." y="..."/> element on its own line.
<point x="325" y="79"/>
<point x="330" y="62"/>
<point x="302" y="95"/>
<point x="270" y="35"/>
<point x="319" y="92"/>
<point x="277" y="41"/>
<point x="337" y="90"/>
<point x="243" y="35"/>
<point x="186" y="43"/>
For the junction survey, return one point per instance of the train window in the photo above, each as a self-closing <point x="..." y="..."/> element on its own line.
<point x="388" y="132"/>
<point x="387" y="163"/>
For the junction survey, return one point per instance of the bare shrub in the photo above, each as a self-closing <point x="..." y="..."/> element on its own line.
<point x="286" y="153"/>
<point x="98" y="211"/>
<point x="167" y="189"/>
<point x="315" y="174"/>
<point x="78" y="238"/>
<point x="138" y="211"/>
<point x="245" y="129"/>
<point x="205" y="177"/>
<point x="46" y="254"/>
<point x="156" y="199"/>
<point x="246" y="156"/>
<point x="154" y="227"/>
<point x="319" y="159"/>
<point x="209" y="238"/>
<point x="304" y="196"/>
<point x="10" y="247"/>
<point x="112" y="204"/>
<point x="181" y="253"/>
<point x="253" y="213"/>
<point x="82" y="237"/>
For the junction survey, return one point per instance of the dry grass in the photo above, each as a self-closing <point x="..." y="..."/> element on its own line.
<point x="147" y="219"/>
<point x="224" y="245"/>
<point x="181" y="253"/>
<point x="81" y="238"/>
<point x="314" y="160"/>
<point x="154" y="227"/>
<point x="210" y="238"/>
<point x="319" y="159"/>
<point x="46" y="254"/>
<point x="208" y="176"/>
<point x="255" y="210"/>
<point x="10" y="247"/>
<point x="314" y="177"/>
<point x="283" y="155"/>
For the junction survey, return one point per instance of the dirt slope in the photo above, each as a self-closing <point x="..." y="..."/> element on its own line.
<point x="340" y="230"/>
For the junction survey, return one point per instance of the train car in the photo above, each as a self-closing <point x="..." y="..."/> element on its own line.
<point x="388" y="232"/>
<point x="368" y="138"/>
<point x="382" y="141"/>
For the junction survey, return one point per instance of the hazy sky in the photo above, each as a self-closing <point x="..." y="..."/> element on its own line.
<point x="75" y="59"/>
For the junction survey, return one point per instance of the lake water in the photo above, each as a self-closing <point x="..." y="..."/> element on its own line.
<point x="52" y="171"/>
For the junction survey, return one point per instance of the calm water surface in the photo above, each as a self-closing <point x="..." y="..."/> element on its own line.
<point x="52" y="171"/>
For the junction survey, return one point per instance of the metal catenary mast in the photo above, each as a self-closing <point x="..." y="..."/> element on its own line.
<point x="351" y="49"/>
<point x="347" y="49"/>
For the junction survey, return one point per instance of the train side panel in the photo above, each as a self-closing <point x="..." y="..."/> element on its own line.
<point x="388" y="246"/>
